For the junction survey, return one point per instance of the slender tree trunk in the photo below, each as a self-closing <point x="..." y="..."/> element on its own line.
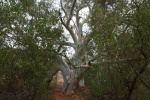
<point x="136" y="78"/>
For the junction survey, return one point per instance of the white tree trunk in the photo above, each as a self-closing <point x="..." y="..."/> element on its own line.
<point x="71" y="77"/>
<point x="71" y="69"/>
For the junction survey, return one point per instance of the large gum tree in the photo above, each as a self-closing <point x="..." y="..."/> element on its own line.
<point x="74" y="16"/>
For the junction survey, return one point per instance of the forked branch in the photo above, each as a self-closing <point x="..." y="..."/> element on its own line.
<point x="71" y="12"/>
<point x="70" y="31"/>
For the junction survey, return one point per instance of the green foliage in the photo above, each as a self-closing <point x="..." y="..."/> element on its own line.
<point x="27" y="52"/>
<point x="29" y="66"/>
<point x="121" y="40"/>
<point x="111" y="81"/>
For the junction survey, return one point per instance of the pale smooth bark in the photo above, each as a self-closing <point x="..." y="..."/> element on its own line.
<point x="72" y="69"/>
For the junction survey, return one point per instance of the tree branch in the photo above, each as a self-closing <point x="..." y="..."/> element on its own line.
<point x="127" y="60"/>
<point x="68" y="60"/>
<point x="148" y="87"/>
<point x="77" y="15"/>
<point x="71" y="12"/>
<point x="70" y="31"/>
<point x="67" y="44"/>
<point x="63" y="8"/>
<point x="87" y="39"/>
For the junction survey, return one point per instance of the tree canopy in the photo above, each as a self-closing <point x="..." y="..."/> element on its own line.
<point x="110" y="40"/>
<point x="29" y="31"/>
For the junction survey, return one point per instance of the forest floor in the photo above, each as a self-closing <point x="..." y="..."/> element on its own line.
<point x="78" y="94"/>
<point x="81" y="93"/>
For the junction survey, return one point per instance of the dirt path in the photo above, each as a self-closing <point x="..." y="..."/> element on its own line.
<point x="79" y="94"/>
<point x="58" y="95"/>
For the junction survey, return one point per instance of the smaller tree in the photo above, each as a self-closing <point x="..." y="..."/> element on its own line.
<point x="121" y="38"/>
<point x="27" y="48"/>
